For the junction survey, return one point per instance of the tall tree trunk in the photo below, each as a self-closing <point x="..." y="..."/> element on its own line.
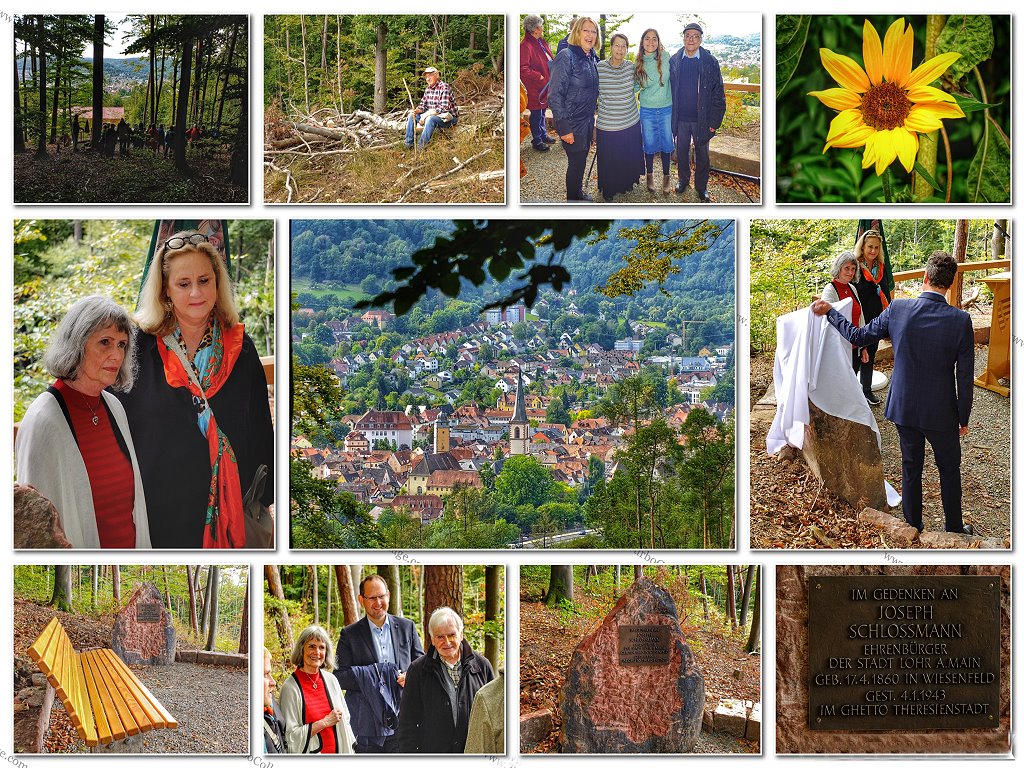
<point x="305" y="67"/>
<point x="754" y="639"/>
<point x="207" y="600"/>
<point x="167" y="587"/>
<point x="160" y="83"/>
<point x="392" y="576"/>
<point x="41" y="43"/>
<point x="284" y="625"/>
<point x="213" y="592"/>
<point x="380" y="70"/>
<point x="330" y="590"/>
<point x="19" y="128"/>
<point x="240" y="149"/>
<point x="350" y="615"/>
<point x="704" y="597"/>
<point x="955" y="295"/>
<point x="341" y="100"/>
<point x="442" y="586"/>
<point x="748" y="584"/>
<point x="315" y="573"/>
<point x="730" y="604"/>
<point x="193" y="617"/>
<point x="323" y="52"/>
<point x="227" y="75"/>
<point x="243" y="633"/>
<point x="181" y="120"/>
<point x="174" y="89"/>
<point x="57" y="64"/>
<point x="560" y="587"/>
<point x="638" y="572"/>
<point x="95" y="585"/>
<point x="97" y="82"/>
<point x="61" y="597"/>
<point x="115" y="584"/>
<point x="492" y="587"/>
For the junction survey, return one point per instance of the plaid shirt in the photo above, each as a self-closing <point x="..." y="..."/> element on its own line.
<point x="440" y="97"/>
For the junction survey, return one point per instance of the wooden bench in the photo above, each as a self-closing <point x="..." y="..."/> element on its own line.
<point x="102" y="696"/>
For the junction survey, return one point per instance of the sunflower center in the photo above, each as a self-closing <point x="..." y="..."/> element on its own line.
<point x="885" y="106"/>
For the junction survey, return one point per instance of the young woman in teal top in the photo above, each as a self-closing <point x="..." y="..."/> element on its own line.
<point x="655" y="107"/>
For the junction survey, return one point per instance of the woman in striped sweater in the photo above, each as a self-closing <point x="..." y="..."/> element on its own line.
<point x="620" y="158"/>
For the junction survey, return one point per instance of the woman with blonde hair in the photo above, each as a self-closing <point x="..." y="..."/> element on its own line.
<point x="651" y="73"/>
<point x="573" y="101"/>
<point x="875" y="294"/>
<point x="199" y="409"/>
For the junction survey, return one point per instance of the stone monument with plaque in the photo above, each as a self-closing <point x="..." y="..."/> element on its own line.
<point x="633" y="686"/>
<point x="893" y="659"/>
<point x="143" y="630"/>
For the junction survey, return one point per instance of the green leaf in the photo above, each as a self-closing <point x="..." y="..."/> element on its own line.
<point x="971" y="37"/>
<point x="968" y="104"/>
<point x="988" y="179"/>
<point x="790" y="39"/>
<point x="918" y="168"/>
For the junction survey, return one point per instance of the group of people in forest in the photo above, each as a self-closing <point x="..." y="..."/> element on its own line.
<point x="644" y="108"/>
<point x="380" y="693"/>
<point x="156" y="430"/>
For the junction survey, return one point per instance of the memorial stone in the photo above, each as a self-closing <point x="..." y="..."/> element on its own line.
<point x="633" y="684"/>
<point x="143" y="630"/>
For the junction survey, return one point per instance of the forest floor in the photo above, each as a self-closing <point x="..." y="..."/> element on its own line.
<point x="545" y="178"/>
<point x="210" y="703"/>
<point x="549" y="637"/>
<point x="785" y="503"/>
<point x="140" y="177"/>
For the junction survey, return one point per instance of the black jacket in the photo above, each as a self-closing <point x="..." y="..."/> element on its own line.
<point x="710" y="93"/>
<point x="425" y="722"/>
<point x="573" y="96"/>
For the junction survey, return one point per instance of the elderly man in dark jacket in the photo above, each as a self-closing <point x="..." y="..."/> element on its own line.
<point x="440" y="688"/>
<point x="698" y="107"/>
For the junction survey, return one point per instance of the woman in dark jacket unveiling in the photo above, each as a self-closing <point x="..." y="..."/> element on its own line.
<point x="439" y="689"/>
<point x="573" y="101"/>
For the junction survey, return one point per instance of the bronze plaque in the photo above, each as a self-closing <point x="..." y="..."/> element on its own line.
<point x="147" y="613"/>
<point x="903" y="653"/>
<point x="641" y="644"/>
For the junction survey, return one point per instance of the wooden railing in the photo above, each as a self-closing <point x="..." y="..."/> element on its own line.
<point x="953" y="296"/>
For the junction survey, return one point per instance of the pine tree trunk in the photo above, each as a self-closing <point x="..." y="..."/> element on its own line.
<point x="213" y="590"/>
<point x="754" y="639"/>
<point x="380" y="70"/>
<point x="61" y="597"/>
<point x="442" y="586"/>
<point x="392" y="576"/>
<point x="748" y="583"/>
<point x="193" y="617"/>
<point x="19" y="128"/>
<point x="97" y="82"/>
<point x="95" y="585"/>
<point x="730" y="606"/>
<point x="314" y="572"/>
<point x="492" y="578"/>
<point x="181" y="119"/>
<point x="350" y="615"/>
<point x="305" y="67"/>
<point x="704" y="597"/>
<point x="41" y="43"/>
<point x="115" y="584"/>
<point x="284" y="625"/>
<point x="243" y="633"/>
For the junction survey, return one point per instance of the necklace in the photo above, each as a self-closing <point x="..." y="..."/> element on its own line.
<point x="95" y="415"/>
<point x="313" y="679"/>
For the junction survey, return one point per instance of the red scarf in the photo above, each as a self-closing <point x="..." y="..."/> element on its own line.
<point x="845" y="292"/>
<point x="876" y="282"/>
<point x="225" y="525"/>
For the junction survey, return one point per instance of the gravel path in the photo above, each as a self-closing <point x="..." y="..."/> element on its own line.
<point x="544" y="182"/>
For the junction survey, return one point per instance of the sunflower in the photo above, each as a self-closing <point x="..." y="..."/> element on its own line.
<point x="885" y="105"/>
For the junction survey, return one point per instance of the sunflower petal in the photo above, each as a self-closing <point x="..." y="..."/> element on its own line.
<point x="906" y="147"/>
<point x="926" y="94"/>
<point x="922" y="120"/>
<point x="844" y="70"/>
<point x="930" y="70"/>
<point x="881" y="148"/>
<point x="898" y="53"/>
<point x="837" y="98"/>
<point x="848" y="130"/>
<point x="873" y="62"/>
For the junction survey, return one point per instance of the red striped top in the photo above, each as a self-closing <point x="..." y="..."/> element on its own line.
<point x="317" y="707"/>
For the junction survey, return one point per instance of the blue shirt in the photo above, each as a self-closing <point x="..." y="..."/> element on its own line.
<point x="382" y="639"/>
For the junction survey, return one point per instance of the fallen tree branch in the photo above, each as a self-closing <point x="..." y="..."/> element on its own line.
<point x="449" y="172"/>
<point x="287" y="180"/>
<point x="383" y="122"/>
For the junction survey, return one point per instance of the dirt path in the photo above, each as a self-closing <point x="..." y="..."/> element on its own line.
<point x="782" y="493"/>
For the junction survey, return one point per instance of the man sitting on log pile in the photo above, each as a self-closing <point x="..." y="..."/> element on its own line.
<point x="437" y="109"/>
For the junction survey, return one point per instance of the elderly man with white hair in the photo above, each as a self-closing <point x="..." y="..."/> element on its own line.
<point x="437" y="109"/>
<point x="439" y="689"/>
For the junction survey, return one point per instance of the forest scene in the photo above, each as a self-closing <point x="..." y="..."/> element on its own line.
<point x="131" y="109"/>
<point x="338" y="92"/>
<point x="789" y="267"/>
<point x="59" y="261"/>
<point x="940" y="135"/>
<point x="625" y="434"/>
<point x="718" y="608"/>
<point x="203" y="684"/>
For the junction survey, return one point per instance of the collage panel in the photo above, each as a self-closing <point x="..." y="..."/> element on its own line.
<point x="660" y="86"/>
<point x="131" y="659"/>
<point x="918" y="353"/>
<point x="893" y="109"/>
<point x="539" y="384"/>
<point x="381" y="109"/>
<point x="642" y="658"/>
<point x="893" y="659"/>
<point x="406" y="658"/>
<point x="143" y="383"/>
<point x="128" y="109"/>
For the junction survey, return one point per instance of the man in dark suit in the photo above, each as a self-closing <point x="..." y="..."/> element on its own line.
<point x="932" y="387"/>
<point x="373" y="657"/>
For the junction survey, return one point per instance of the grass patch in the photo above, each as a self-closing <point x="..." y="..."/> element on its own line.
<point x="344" y="292"/>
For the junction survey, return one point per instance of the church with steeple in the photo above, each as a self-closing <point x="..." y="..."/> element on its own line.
<point x="519" y="425"/>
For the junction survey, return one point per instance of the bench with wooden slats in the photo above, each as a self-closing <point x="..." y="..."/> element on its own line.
<point x="102" y="696"/>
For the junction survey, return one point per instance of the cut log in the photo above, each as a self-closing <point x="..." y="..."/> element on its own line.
<point x="383" y="122"/>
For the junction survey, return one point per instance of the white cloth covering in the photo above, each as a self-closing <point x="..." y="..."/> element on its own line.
<point x="48" y="459"/>
<point x="812" y="363"/>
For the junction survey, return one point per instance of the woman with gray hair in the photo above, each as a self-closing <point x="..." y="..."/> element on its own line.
<point x="74" y="445"/>
<point x="316" y="718"/>
<point x="535" y="74"/>
<point x="844" y="275"/>
<point x="450" y="672"/>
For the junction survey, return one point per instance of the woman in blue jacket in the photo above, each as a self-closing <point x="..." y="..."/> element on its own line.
<point x="573" y="101"/>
